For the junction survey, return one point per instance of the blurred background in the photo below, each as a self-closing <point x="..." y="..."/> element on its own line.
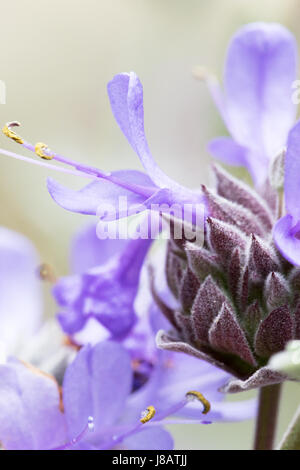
<point x="56" y="58"/>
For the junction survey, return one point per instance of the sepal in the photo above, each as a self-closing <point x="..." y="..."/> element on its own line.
<point x="274" y="332"/>
<point x="206" y="307"/>
<point x="227" y="336"/>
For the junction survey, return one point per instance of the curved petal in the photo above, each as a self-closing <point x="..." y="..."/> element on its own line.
<point x="228" y="151"/>
<point x="125" y="93"/>
<point x="97" y="384"/>
<point x="292" y="173"/>
<point x="98" y="197"/>
<point x="286" y="242"/>
<point x="20" y="289"/>
<point x="260" y="68"/>
<point x="154" y="438"/>
<point x="30" y="416"/>
<point x="231" y="153"/>
<point x="105" y="293"/>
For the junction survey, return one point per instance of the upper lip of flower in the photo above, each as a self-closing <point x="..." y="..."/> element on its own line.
<point x="255" y="112"/>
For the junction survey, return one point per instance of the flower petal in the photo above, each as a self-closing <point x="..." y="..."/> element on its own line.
<point x="286" y="242"/>
<point x="233" y="411"/>
<point x="98" y="197"/>
<point x="154" y="438"/>
<point x="228" y="151"/>
<point x="20" y="289"/>
<point x="97" y="384"/>
<point x="292" y="173"/>
<point x="232" y="153"/>
<point x="105" y="293"/>
<point x="88" y="251"/>
<point x="30" y="417"/>
<point x="260" y="68"/>
<point x="125" y="93"/>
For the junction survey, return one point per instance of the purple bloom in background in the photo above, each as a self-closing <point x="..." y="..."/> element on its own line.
<point x="256" y="106"/>
<point x="23" y="331"/>
<point x="287" y="229"/>
<point x="99" y="384"/>
<point x="20" y="290"/>
<point x="30" y="416"/>
<point x="95" y="392"/>
<point x="104" y="292"/>
<point x="99" y="392"/>
<point x="88" y="251"/>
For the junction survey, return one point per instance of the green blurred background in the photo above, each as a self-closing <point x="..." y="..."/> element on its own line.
<point x="56" y="58"/>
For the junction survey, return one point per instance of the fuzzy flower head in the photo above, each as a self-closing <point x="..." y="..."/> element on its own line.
<point x="238" y="297"/>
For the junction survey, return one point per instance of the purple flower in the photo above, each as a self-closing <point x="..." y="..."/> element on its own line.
<point x="22" y="329"/>
<point x="20" y="290"/>
<point x="256" y="107"/>
<point x="104" y="292"/>
<point x="96" y="389"/>
<point x="102" y="196"/>
<point x="287" y="229"/>
<point x="30" y="416"/>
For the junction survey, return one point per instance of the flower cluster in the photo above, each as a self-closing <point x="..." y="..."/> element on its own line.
<point x="102" y="390"/>
<point x="238" y="297"/>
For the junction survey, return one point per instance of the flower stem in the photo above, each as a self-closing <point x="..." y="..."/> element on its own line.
<point x="291" y="439"/>
<point x="267" y="417"/>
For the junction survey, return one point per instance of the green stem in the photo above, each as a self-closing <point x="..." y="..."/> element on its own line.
<point x="266" y="420"/>
<point x="291" y="439"/>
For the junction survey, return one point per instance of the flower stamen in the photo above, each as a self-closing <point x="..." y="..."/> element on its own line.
<point x="40" y="151"/>
<point x="158" y="419"/>
<point x="11" y="134"/>
<point x="43" y="151"/>
<point x="148" y="414"/>
<point x="191" y="395"/>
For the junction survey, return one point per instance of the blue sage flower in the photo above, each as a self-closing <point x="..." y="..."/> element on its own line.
<point x="256" y="105"/>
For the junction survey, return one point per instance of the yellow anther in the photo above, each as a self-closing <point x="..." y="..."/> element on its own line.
<point x="11" y="134"/>
<point x="201" y="398"/>
<point x="39" y="150"/>
<point x="46" y="273"/>
<point x="148" y="414"/>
